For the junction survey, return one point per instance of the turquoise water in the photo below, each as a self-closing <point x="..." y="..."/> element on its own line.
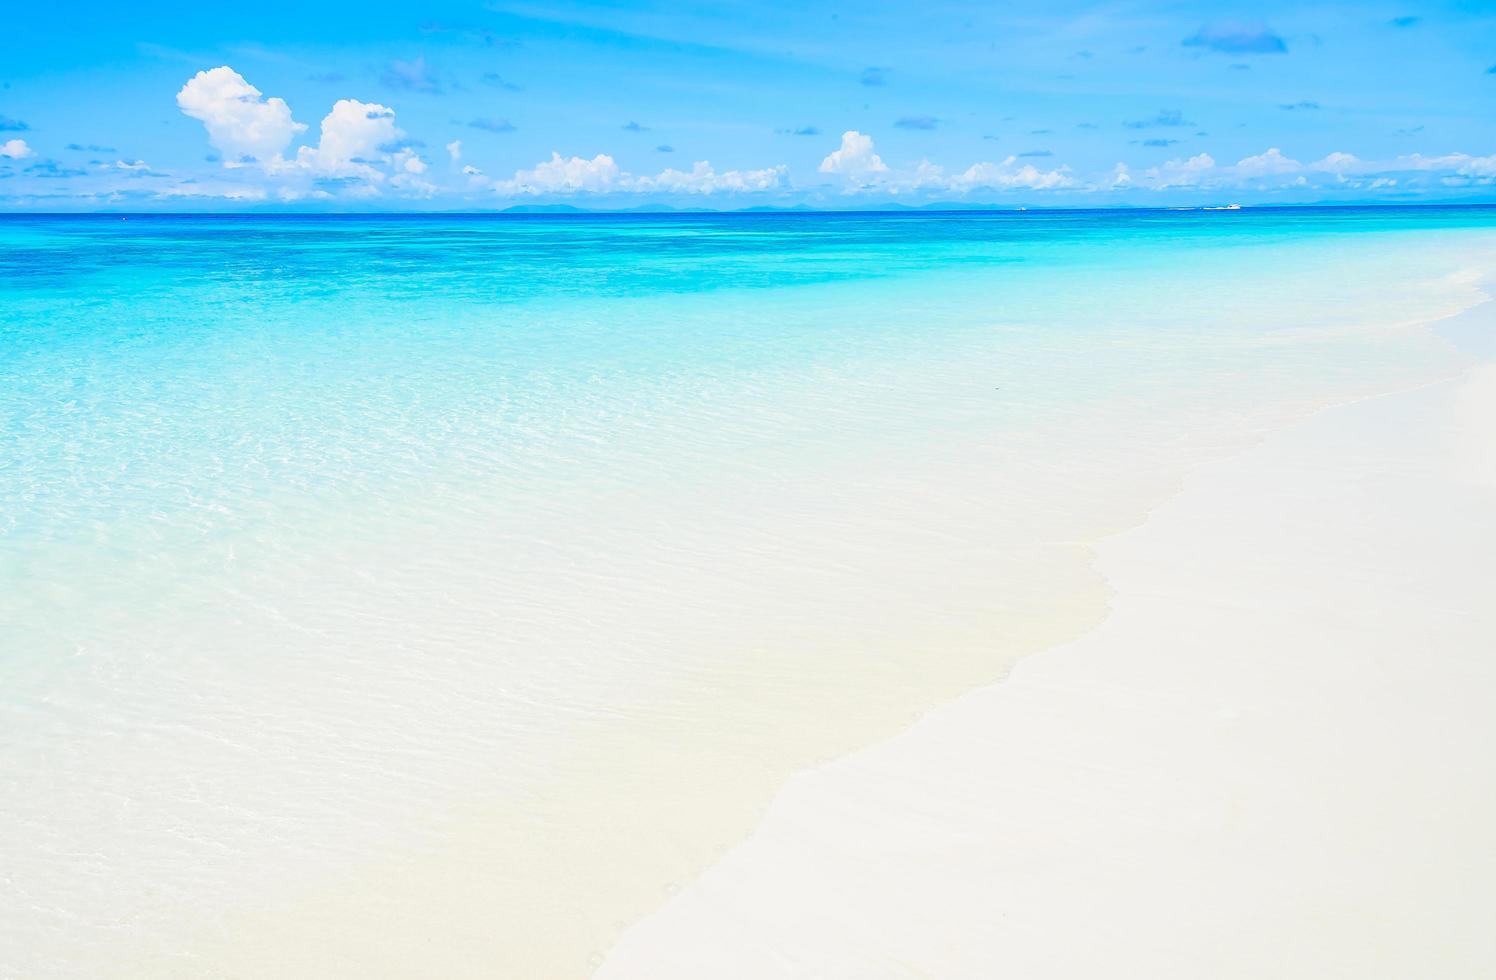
<point x="155" y="363"/>
<point x="532" y="552"/>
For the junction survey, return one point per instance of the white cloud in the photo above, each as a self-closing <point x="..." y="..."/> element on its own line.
<point x="601" y="174"/>
<point x="357" y="139"/>
<point x="564" y="175"/>
<point x="866" y="171"/>
<point x="355" y="136"/>
<point x="15" y="149"/>
<point x="1478" y="166"/>
<point x="361" y="144"/>
<point x="1181" y="173"/>
<point x="925" y="174"/>
<point x="1461" y="163"/>
<point x="476" y="178"/>
<point x="1007" y="176"/>
<point x="230" y="192"/>
<point x="1268" y="164"/>
<point x="856" y="159"/>
<point x="702" y="179"/>
<point x="410" y="162"/>
<point x="1338" y="163"/>
<point x="409" y="168"/>
<point x="240" y="121"/>
<point x="1343" y="170"/>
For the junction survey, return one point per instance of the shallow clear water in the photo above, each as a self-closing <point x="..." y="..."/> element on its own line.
<point x="401" y="594"/>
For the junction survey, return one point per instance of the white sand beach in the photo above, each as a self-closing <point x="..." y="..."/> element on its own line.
<point x="500" y="678"/>
<point x="1273" y="758"/>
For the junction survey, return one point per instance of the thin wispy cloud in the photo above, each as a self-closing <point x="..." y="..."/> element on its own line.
<point x="411" y="76"/>
<point x="799" y="131"/>
<point x="9" y="125"/>
<point x="634" y="127"/>
<point x="874" y="76"/>
<point x="1037" y="153"/>
<point x="1298" y="106"/>
<point x="496" y="80"/>
<point x="1405" y="21"/>
<point x="1165" y="118"/>
<point x="491" y="125"/>
<point x="52" y="170"/>
<point x="566" y="176"/>
<point x="480" y="35"/>
<point x="1236" y="37"/>
<point x="916" y="122"/>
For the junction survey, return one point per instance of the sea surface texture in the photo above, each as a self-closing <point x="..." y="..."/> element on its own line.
<point x="432" y="595"/>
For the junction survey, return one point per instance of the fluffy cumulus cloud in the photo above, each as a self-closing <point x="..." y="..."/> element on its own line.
<point x="855" y="160"/>
<point x="1010" y="176"/>
<point x="1180" y="173"/>
<point x="1338" y="163"/>
<point x="355" y="137"/>
<point x="1459" y="164"/>
<point x="1410" y="171"/>
<point x="564" y="175"/>
<point x="703" y="179"/>
<point x="1273" y="170"/>
<point x="1201" y="171"/>
<point x="1267" y="164"/>
<point x="358" y="142"/>
<point x="864" y="171"/>
<point x="241" y="122"/>
<point x="264" y="154"/>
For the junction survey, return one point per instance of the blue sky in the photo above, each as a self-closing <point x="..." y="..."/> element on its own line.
<point x="618" y="104"/>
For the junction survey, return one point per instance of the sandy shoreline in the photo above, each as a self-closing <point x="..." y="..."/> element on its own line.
<point x="484" y="729"/>
<point x="1272" y="759"/>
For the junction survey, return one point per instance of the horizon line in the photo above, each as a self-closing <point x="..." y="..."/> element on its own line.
<point x="565" y="210"/>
